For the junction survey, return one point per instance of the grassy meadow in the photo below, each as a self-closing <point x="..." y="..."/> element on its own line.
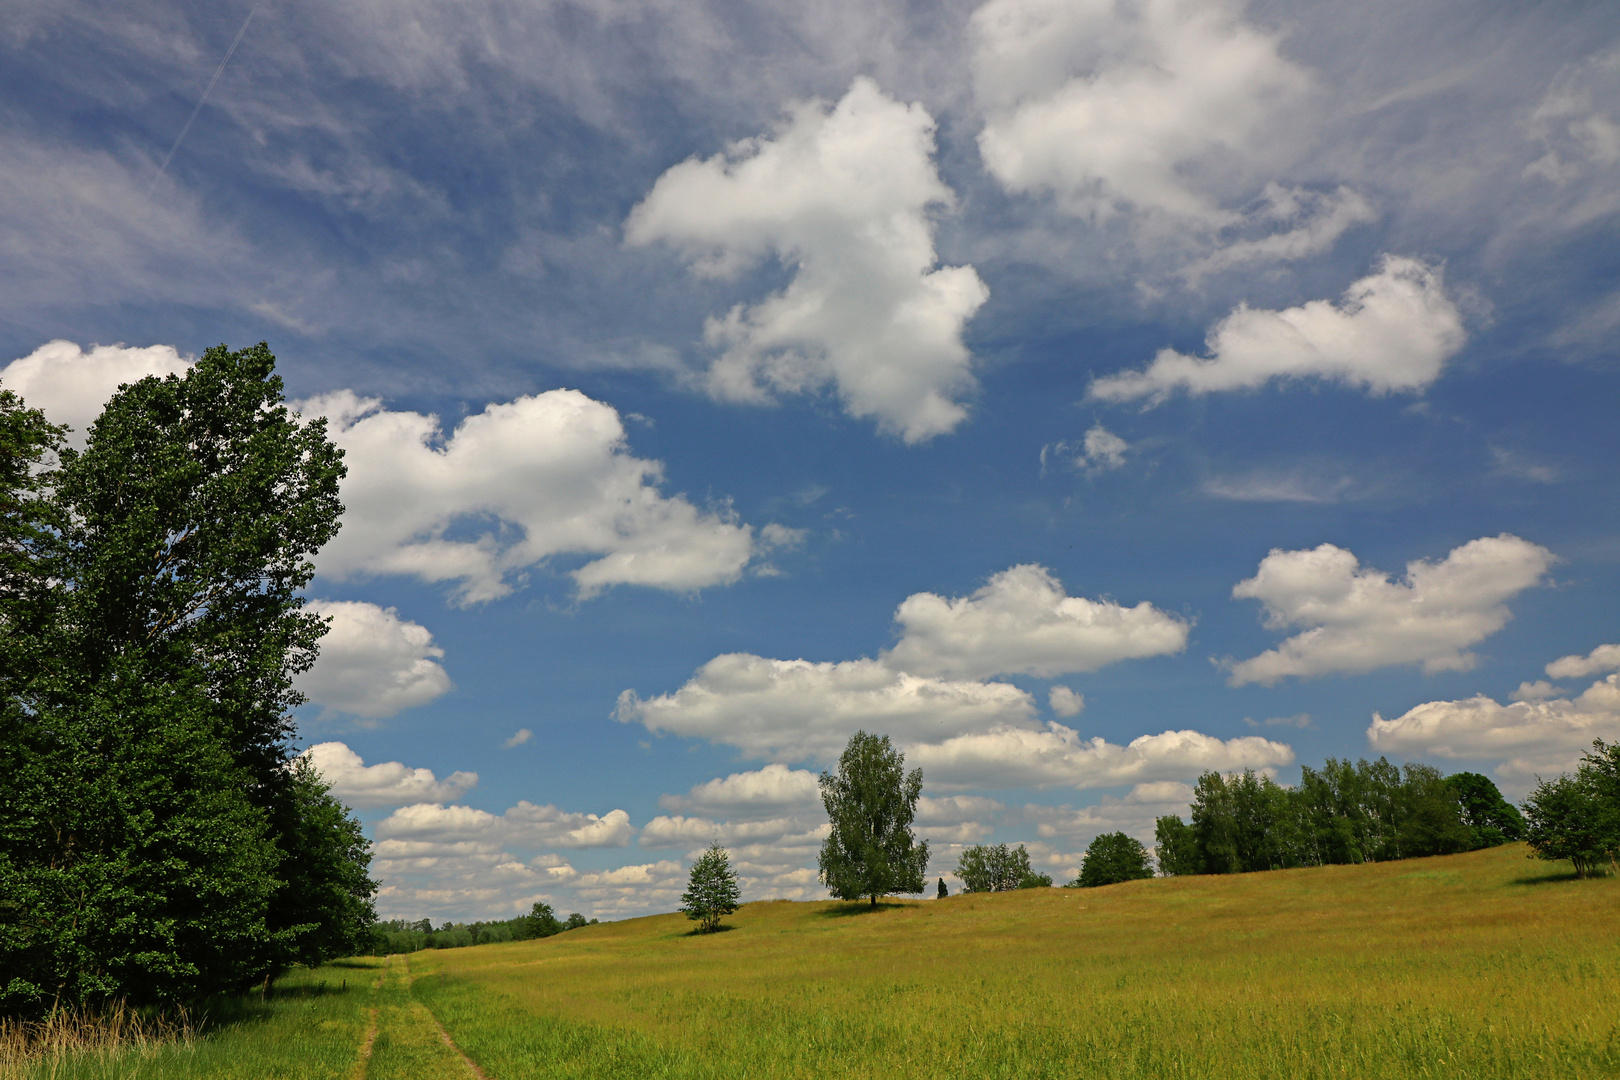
<point x="1470" y="966"/>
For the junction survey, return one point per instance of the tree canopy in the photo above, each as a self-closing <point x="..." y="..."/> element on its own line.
<point x="871" y="802"/>
<point x="1342" y="813"/>
<point x="1578" y="817"/>
<point x="711" y="892"/>
<point x="997" y="868"/>
<point x="1112" y="858"/>
<point x="157" y="840"/>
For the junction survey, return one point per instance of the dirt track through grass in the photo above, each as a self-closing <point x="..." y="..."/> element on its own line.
<point x="1475" y="967"/>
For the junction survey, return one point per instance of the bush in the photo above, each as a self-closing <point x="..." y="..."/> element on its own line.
<point x="1112" y="858"/>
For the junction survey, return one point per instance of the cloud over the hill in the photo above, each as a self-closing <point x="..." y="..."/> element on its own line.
<point x="763" y="793"/>
<point x="539" y="477"/>
<point x="793" y="710"/>
<point x="841" y="196"/>
<point x="389" y="783"/>
<point x="1528" y="737"/>
<point x="1056" y="756"/>
<point x="372" y="663"/>
<point x="1394" y="331"/>
<point x="1357" y="619"/>
<point x="1022" y="622"/>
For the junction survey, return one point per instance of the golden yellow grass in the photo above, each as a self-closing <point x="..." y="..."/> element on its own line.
<point x="1470" y="966"/>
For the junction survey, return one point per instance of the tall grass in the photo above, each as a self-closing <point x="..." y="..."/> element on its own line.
<point x="1467" y="966"/>
<point x="310" y="1026"/>
<point x="1477" y="966"/>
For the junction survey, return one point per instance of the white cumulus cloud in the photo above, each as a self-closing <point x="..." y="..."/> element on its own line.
<point x="1111" y="104"/>
<point x="387" y="784"/>
<point x="1529" y="737"/>
<point x="1135" y="813"/>
<point x="426" y="827"/>
<point x="1022" y="622"/>
<point x="762" y="793"/>
<point x="797" y="709"/>
<point x="1394" y="331"/>
<point x="372" y="663"/>
<point x="539" y="477"/>
<point x="1064" y="701"/>
<point x="841" y="196"/>
<point x="1357" y="619"/>
<point x="1056" y="756"/>
<point x="71" y="384"/>
<point x="1602" y="658"/>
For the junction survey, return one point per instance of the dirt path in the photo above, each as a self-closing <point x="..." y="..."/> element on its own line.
<point x="405" y="1041"/>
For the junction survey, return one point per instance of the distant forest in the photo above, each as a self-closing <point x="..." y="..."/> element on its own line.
<point x="1340" y="813"/>
<point x="401" y="936"/>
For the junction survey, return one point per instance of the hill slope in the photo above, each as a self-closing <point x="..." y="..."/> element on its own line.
<point x="1469" y="966"/>
<point x="1473" y="965"/>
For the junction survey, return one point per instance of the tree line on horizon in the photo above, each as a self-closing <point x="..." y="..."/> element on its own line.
<point x="407" y="936"/>
<point x="1342" y="813"/>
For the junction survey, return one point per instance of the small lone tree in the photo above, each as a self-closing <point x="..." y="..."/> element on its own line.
<point x="712" y="890"/>
<point x="871" y="801"/>
<point x="1112" y="858"/>
<point x="943" y="891"/>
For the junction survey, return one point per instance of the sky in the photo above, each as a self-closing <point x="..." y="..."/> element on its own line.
<point x="1086" y="394"/>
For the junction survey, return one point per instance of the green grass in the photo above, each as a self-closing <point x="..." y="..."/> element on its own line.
<point x="1471" y="966"/>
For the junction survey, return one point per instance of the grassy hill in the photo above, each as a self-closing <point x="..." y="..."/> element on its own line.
<point x="1469" y="966"/>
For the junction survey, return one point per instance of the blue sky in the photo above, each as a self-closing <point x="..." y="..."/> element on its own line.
<point x="1086" y="394"/>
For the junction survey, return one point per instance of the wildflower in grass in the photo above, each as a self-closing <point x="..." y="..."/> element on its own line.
<point x="712" y="890"/>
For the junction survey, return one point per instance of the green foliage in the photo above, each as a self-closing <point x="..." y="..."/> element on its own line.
<point x="1578" y="817"/>
<point x="1492" y="819"/>
<point x="871" y="802"/>
<point x="943" y="891"/>
<point x="324" y="899"/>
<point x="1177" y="847"/>
<point x="1112" y="858"/>
<point x="155" y="843"/>
<point x="1342" y="813"/>
<point x="711" y="891"/>
<point x="994" y="868"/>
<point x="542" y="921"/>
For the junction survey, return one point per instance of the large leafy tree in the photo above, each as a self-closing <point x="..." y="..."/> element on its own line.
<point x="154" y="841"/>
<point x="871" y="802"/>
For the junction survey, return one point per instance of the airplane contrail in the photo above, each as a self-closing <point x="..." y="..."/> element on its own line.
<point x="164" y="168"/>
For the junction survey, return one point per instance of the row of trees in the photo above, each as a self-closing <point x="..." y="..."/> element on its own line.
<point x="1341" y="813"/>
<point x="158" y="839"/>
<point x="402" y="936"/>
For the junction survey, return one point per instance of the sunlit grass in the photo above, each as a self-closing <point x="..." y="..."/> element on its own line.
<point x="1467" y="966"/>
<point x="1471" y="966"/>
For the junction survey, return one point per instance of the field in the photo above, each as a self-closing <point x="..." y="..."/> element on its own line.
<point x="1469" y="966"/>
